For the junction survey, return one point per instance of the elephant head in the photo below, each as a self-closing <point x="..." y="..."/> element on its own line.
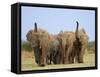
<point x="81" y="34"/>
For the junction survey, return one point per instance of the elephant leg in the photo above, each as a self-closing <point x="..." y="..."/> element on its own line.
<point x="80" y="58"/>
<point x="61" y="58"/>
<point x="77" y="58"/>
<point x="81" y="55"/>
<point x="51" y="58"/>
<point x="71" y="59"/>
<point x="63" y="53"/>
<point x="67" y="58"/>
<point x="72" y="55"/>
<point x="48" y="60"/>
<point x="43" y="57"/>
<point x="37" y="55"/>
<point x="56" y="59"/>
<point x="68" y="55"/>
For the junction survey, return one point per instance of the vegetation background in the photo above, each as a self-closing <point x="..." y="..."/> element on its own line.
<point x="26" y="46"/>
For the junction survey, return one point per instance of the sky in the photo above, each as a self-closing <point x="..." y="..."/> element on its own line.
<point x="55" y="20"/>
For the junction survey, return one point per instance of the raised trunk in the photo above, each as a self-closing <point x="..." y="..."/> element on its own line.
<point x="76" y="33"/>
<point x="35" y="27"/>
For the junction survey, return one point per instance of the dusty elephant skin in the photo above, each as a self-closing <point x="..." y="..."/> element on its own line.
<point x="64" y="48"/>
<point x="73" y="45"/>
<point x="66" y="41"/>
<point x="36" y="38"/>
<point x="53" y="48"/>
<point x="80" y="44"/>
<point x="44" y="45"/>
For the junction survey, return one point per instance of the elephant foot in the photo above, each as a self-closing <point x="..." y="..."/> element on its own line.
<point x="71" y="62"/>
<point x="42" y="65"/>
<point x="48" y="63"/>
<point x="67" y="62"/>
<point x="80" y="61"/>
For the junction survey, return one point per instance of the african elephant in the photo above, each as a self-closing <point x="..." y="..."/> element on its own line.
<point x="73" y="45"/>
<point x="39" y="42"/>
<point x="53" y="50"/>
<point x="80" y="44"/>
<point x="67" y="39"/>
<point x="44" y="45"/>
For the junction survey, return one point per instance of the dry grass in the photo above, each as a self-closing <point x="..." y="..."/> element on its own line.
<point x="28" y="62"/>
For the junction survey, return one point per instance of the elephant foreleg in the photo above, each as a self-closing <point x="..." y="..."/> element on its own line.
<point x="81" y="55"/>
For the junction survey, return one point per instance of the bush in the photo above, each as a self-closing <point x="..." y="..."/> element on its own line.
<point x="91" y="46"/>
<point x="26" y="46"/>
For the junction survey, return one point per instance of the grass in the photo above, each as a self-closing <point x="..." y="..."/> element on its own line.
<point x="28" y="62"/>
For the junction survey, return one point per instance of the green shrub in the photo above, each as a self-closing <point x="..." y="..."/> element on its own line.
<point x="91" y="46"/>
<point x="26" y="46"/>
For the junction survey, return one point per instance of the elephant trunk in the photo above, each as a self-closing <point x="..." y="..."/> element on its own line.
<point x="76" y="33"/>
<point x="35" y="27"/>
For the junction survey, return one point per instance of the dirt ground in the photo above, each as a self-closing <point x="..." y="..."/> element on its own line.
<point x="28" y="62"/>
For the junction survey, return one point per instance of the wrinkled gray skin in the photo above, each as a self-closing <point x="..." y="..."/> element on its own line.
<point x="39" y="42"/>
<point x="73" y="45"/>
<point x="79" y="45"/>
<point x="44" y="45"/>
<point x="52" y="51"/>
<point x="67" y="47"/>
<point x="67" y="39"/>
<point x="34" y="44"/>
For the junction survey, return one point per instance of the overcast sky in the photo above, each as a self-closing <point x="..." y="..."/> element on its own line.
<point x="55" y="20"/>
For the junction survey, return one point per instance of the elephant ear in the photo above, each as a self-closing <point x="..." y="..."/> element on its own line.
<point x="76" y="33"/>
<point x="83" y="30"/>
<point x="35" y="27"/>
<point x="29" y="35"/>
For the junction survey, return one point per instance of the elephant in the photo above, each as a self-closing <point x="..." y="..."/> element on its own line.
<point x="53" y="50"/>
<point x="73" y="45"/>
<point x="45" y="46"/>
<point x="39" y="42"/>
<point x="64" y="48"/>
<point x="80" y="44"/>
<point x="67" y="39"/>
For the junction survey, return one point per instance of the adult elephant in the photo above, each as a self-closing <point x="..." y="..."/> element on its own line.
<point x="39" y="42"/>
<point x="66" y="41"/>
<point x="44" y="45"/>
<point x="73" y="45"/>
<point x="79" y="45"/>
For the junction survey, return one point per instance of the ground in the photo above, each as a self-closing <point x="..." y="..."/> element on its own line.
<point x="28" y="62"/>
